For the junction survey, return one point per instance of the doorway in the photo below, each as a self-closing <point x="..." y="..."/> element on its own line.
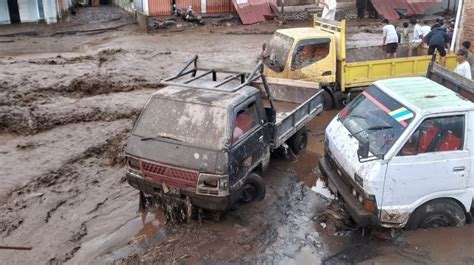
<point x="14" y="11"/>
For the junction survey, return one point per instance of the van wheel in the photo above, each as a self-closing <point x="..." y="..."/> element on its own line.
<point x="437" y="213"/>
<point x="253" y="189"/>
<point x="299" y="141"/>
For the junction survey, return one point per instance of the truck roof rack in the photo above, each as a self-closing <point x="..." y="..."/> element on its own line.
<point x="245" y="78"/>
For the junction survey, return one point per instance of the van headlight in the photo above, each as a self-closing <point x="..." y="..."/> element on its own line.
<point x="210" y="184"/>
<point x="133" y="163"/>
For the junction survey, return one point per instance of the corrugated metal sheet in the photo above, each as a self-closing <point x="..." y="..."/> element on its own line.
<point x="159" y="7"/>
<point x="28" y="10"/>
<point x="254" y="11"/>
<point x="184" y="4"/>
<point x="388" y="9"/>
<point x="4" y="15"/>
<point x="219" y="6"/>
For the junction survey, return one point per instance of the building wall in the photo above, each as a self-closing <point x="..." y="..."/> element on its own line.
<point x="50" y="11"/>
<point x="125" y="4"/>
<point x="28" y="10"/>
<point x="4" y="15"/>
<point x="467" y="30"/>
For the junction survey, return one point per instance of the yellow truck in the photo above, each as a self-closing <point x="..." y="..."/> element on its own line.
<point x="318" y="57"/>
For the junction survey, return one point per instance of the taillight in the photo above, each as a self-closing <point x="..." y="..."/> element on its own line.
<point x="369" y="205"/>
<point x="133" y="163"/>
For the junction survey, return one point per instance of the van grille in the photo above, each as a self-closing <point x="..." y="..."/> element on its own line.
<point x="176" y="177"/>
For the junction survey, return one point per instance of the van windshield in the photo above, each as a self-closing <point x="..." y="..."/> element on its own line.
<point x="184" y="122"/>
<point x="376" y="117"/>
<point x="276" y="54"/>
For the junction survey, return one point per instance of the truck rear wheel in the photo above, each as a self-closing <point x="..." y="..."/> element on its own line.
<point x="299" y="141"/>
<point x="437" y="213"/>
<point x="328" y="101"/>
<point x="253" y="189"/>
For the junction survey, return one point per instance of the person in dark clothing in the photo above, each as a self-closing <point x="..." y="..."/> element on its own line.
<point x="437" y="39"/>
<point x="371" y="9"/>
<point x="361" y="6"/>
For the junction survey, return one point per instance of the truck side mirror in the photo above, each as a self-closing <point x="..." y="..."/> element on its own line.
<point x="363" y="151"/>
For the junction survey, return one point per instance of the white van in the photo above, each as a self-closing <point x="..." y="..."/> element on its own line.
<point x="401" y="154"/>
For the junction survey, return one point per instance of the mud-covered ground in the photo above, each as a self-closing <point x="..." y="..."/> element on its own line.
<point x="67" y="103"/>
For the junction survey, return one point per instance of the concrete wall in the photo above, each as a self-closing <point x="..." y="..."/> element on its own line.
<point x="4" y="15"/>
<point x="142" y="21"/>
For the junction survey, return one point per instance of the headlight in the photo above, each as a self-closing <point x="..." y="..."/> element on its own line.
<point x="133" y="163"/>
<point x="210" y="184"/>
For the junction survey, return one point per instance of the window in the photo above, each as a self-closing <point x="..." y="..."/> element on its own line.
<point x="310" y="51"/>
<point x="276" y="54"/>
<point x="377" y="118"/>
<point x="245" y="120"/>
<point x="436" y="135"/>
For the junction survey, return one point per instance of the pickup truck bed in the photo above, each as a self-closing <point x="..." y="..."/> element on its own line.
<point x="296" y="103"/>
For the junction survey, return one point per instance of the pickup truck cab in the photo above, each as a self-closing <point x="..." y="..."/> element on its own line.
<point x="401" y="154"/>
<point x="319" y="54"/>
<point x="205" y="138"/>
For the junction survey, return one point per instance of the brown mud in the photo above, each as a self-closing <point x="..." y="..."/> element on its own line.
<point x="67" y="103"/>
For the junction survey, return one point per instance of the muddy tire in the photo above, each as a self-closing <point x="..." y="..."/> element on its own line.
<point x="253" y="189"/>
<point x="328" y="101"/>
<point x="299" y="141"/>
<point x="437" y="213"/>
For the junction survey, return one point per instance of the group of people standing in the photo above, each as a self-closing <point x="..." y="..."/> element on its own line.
<point x="433" y="38"/>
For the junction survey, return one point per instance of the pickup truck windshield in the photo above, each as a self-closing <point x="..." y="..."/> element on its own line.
<point x="185" y="123"/>
<point x="276" y="54"/>
<point x="377" y="117"/>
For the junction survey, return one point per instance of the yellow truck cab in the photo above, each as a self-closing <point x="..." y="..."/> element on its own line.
<point x="319" y="55"/>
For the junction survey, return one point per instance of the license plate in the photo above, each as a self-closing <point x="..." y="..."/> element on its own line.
<point x="169" y="189"/>
<point x="174" y="190"/>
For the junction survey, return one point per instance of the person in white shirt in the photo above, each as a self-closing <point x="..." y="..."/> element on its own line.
<point x="390" y="39"/>
<point x="329" y="10"/>
<point x="417" y="37"/>
<point x="463" y="68"/>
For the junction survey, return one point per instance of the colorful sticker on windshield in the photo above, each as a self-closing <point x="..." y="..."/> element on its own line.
<point x="400" y="115"/>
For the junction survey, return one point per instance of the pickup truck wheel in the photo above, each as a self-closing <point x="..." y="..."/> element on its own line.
<point x="253" y="189"/>
<point x="299" y="141"/>
<point x="438" y="213"/>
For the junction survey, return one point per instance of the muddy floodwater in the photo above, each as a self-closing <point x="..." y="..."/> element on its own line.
<point x="68" y="98"/>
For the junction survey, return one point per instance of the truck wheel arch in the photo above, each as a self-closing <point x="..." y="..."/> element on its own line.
<point x="440" y="206"/>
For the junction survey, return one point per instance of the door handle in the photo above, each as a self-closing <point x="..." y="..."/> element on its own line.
<point x="260" y="139"/>
<point x="459" y="169"/>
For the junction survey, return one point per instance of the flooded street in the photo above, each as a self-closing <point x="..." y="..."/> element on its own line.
<point x="67" y="104"/>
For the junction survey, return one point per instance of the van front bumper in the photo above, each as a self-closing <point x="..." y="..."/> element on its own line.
<point x="217" y="203"/>
<point x="336" y="184"/>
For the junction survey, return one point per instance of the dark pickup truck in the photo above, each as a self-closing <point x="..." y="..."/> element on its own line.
<point x="205" y="138"/>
